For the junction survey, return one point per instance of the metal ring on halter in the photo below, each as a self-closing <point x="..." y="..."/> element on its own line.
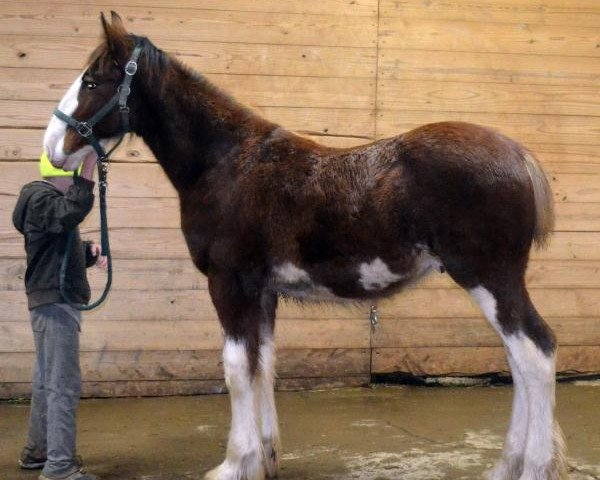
<point x="131" y="68"/>
<point x="84" y="129"/>
<point x="120" y="89"/>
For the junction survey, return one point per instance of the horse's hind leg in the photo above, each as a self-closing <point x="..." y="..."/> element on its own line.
<point x="241" y="313"/>
<point x="534" y="449"/>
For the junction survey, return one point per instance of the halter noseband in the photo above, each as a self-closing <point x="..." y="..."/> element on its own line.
<point x="86" y="128"/>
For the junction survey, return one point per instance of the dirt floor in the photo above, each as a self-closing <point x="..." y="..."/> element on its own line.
<point x="408" y="433"/>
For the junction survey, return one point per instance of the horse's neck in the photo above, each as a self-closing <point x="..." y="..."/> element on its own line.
<point x="191" y="126"/>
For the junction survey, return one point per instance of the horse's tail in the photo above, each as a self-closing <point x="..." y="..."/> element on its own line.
<point x="544" y="201"/>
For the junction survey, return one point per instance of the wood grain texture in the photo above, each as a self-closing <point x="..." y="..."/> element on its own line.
<point x="23" y="51"/>
<point x="179" y="333"/>
<point x="140" y="365"/>
<point x="343" y="73"/>
<point x="549" y="12"/>
<point x="463" y="361"/>
<point x="156" y="388"/>
<point x="81" y="21"/>
<point x="304" y="120"/>
<point x="147" y="180"/>
<point x="163" y="243"/>
<point x="256" y="90"/>
<point x="180" y="274"/>
<point x="306" y="7"/>
<point x="488" y="37"/>
<point x="465" y="66"/>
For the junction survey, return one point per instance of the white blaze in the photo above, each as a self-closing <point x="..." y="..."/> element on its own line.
<point x="54" y="137"/>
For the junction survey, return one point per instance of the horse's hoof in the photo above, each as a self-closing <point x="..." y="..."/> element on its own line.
<point x="506" y="469"/>
<point x="249" y="468"/>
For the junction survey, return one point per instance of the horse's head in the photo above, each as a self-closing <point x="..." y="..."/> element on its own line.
<point x="90" y="92"/>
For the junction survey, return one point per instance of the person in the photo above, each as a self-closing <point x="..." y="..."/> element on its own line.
<point x="46" y="211"/>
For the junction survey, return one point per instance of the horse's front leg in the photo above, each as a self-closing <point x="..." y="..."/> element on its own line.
<point x="265" y="398"/>
<point x="241" y="314"/>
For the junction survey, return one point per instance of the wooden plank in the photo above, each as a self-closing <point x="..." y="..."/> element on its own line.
<point x="181" y="274"/>
<point x="466" y="36"/>
<point x="165" y="275"/>
<point x="26" y="144"/>
<point x="449" y="303"/>
<point x="259" y="90"/>
<point x="487" y="97"/>
<point x="23" y="51"/>
<point x="195" y="306"/>
<point x="123" y="213"/>
<point x="525" y="128"/>
<point x="310" y="121"/>
<point x="306" y="7"/>
<point x="576" y="188"/>
<point x="38" y="18"/>
<point x="135" y="243"/>
<point x="472" y="360"/>
<point x="478" y="67"/>
<point x="577" y="217"/>
<point x="576" y="14"/>
<point x="473" y="332"/>
<point x="185" y="387"/>
<point x="108" y="366"/>
<point x="182" y="334"/>
<point x="148" y="180"/>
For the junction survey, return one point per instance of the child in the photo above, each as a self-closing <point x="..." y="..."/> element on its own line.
<point x="45" y="212"/>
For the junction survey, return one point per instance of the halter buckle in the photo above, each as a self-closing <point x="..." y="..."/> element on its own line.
<point x="84" y="129"/>
<point x="131" y="67"/>
<point x="120" y="88"/>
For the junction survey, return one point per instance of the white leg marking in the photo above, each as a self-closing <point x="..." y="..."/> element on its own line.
<point x="509" y="467"/>
<point x="244" y="455"/>
<point x="268" y="410"/>
<point x="533" y="448"/>
<point x="376" y="275"/>
<point x="538" y="374"/>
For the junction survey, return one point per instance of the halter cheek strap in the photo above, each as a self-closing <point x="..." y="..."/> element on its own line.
<point x="86" y="128"/>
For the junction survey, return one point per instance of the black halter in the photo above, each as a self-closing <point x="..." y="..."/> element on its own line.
<point x="86" y="130"/>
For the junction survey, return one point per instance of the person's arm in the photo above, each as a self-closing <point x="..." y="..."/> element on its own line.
<point x="60" y="213"/>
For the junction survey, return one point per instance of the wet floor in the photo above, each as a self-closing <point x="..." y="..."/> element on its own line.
<point x="408" y="433"/>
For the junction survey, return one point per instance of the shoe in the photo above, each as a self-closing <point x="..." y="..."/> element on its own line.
<point x="78" y="475"/>
<point x="27" y="462"/>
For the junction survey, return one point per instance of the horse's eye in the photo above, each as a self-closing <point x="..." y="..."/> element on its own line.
<point x="91" y="85"/>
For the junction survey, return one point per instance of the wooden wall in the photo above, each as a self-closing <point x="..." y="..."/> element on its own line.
<point x="343" y="72"/>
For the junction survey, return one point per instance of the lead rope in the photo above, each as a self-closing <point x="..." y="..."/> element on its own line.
<point x="104" y="242"/>
<point x="86" y="130"/>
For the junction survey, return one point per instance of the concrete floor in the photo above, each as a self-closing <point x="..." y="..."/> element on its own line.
<point x="408" y="433"/>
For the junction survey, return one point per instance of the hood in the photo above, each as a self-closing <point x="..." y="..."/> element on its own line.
<point x="21" y="207"/>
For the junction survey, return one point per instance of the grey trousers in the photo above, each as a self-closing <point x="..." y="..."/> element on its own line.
<point x="56" y="389"/>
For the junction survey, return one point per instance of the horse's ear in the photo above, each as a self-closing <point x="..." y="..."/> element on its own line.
<point x="117" y="22"/>
<point x="116" y="35"/>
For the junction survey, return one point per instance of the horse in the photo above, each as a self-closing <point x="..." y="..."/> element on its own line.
<point x="267" y="214"/>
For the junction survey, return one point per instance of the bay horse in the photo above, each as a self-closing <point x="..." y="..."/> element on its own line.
<point x="266" y="213"/>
